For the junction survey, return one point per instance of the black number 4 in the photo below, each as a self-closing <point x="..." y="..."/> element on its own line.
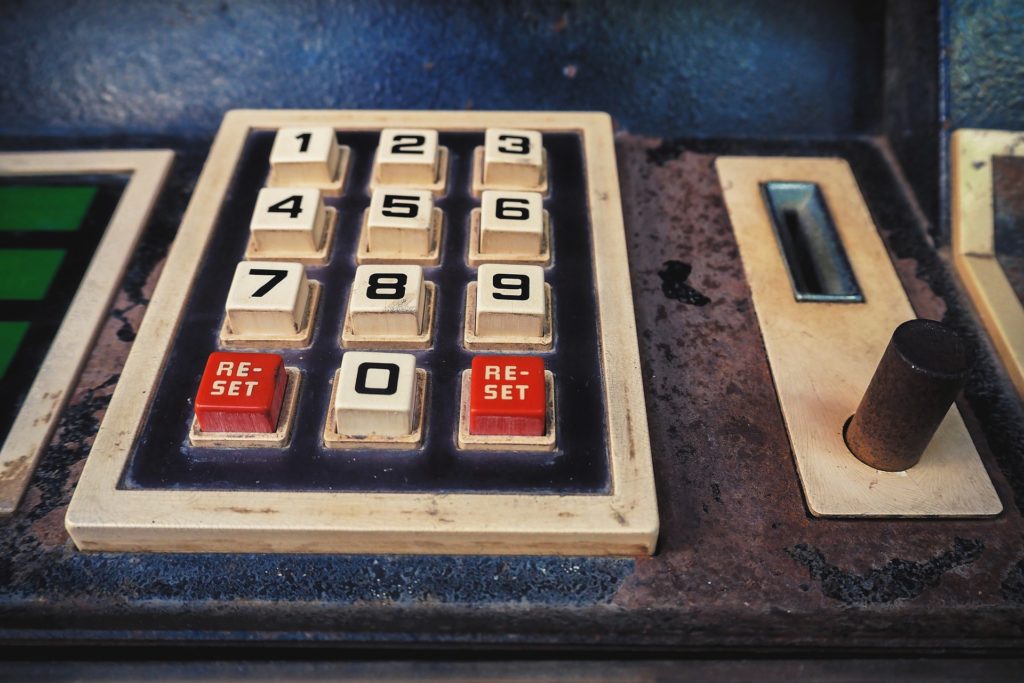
<point x="276" y="276"/>
<point x="290" y="205"/>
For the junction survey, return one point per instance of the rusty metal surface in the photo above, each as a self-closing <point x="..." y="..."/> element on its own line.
<point x="922" y="370"/>
<point x="740" y="563"/>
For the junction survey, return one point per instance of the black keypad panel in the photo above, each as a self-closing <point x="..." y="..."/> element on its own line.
<point x="163" y="457"/>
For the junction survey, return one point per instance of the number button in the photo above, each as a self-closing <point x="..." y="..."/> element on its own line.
<point x="513" y="159"/>
<point x="402" y="224"/>
<point x="375" y="395"/>
<point x="290" y="223"/>
<point x="410" y="157"/>
<point x="308" y="157"/>
<point x="511" y="223"/>
<point x="269" y="302"/>
<point x="509" y="307"/>
<point x="390" y="306"/>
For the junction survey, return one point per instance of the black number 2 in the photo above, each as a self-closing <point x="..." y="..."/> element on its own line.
<point x="513" y="144"/>
<point x="520" y="284"/>
<point x="276" y="276"/>
<point x="408" y="144"/>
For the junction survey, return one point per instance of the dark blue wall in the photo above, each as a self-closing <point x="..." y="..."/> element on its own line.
<point x="986" y="64"/>
<point x="731" y="68"/>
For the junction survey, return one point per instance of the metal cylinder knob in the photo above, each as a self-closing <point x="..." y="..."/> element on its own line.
<point x="920" y="374"/>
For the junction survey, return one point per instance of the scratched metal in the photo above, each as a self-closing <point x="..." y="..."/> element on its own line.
<point x="740" y="563"/>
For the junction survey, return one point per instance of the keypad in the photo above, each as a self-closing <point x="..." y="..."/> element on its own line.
<point x="379" y="392"/>
<point x="454" y="361"/>
<point x="390" y="305"/>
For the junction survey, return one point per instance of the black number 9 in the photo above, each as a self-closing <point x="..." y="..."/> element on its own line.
<point x="507" y="283"/>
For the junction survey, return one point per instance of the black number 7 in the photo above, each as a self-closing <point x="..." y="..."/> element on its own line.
<point x="275" y="277"/>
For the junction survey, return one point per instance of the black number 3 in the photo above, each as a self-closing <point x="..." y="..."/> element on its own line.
<point x="513" y="144"/>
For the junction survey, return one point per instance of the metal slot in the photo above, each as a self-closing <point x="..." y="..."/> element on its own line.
<point x="815" y="257"/>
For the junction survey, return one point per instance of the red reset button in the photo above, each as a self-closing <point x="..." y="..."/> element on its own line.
<point x="507" y="396"/>
<point x="241" y="392"/>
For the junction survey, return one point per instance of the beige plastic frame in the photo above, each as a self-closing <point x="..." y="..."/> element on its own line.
<point x="623" y="521"/>
<point x="974" y="241"/>
<point x="33" y="427"/>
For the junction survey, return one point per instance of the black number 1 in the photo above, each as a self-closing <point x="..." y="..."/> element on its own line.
<point x="304" y="138"/>
<point x="275" y="278"/>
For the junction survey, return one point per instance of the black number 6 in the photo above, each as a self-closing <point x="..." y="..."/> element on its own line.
<point x="506" y="209"/>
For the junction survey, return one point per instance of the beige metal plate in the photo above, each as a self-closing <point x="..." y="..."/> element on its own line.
<point x="822" y="355"/>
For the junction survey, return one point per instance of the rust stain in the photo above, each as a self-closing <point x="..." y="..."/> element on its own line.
<point x="247" y="511"/>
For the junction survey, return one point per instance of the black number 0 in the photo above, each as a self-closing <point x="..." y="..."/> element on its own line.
<point x="520" y="284"/>
<point x="364" y="369"/>
<point x="386" y="286"/>
<point x="513" y="144"/>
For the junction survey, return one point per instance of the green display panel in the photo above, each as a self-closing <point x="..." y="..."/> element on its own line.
<point x="49" y="230"/>
<point x="11" y="334"/>
<point x="29" y="207"/>
<point x="26" y="274"/>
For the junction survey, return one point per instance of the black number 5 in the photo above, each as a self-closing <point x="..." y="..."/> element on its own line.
<point x="408" y="144"/>
<point x="400" y="206"/>
<point x="520" y="284"/>
<point x="513" y="144"/>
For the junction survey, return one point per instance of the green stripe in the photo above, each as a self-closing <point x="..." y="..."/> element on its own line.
<point x="27" y="207"/>
<point x="26" y="274"/>
<point x="11" y="334"/>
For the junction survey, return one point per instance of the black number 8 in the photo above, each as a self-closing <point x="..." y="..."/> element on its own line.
<point x="387" y="286"/>
<point x="513" y="144"/>
<point x="506" y="282"/>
